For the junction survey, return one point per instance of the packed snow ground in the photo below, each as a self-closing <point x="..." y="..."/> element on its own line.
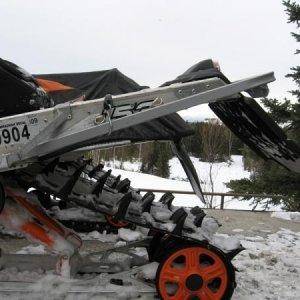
<point x="286" y="215"/>
<point x="269" y="268"/>
<point x="221" y="173"/>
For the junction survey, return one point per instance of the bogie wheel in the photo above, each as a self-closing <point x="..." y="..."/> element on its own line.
<point x="195" y="272"/>
<point x="115" y="223"/>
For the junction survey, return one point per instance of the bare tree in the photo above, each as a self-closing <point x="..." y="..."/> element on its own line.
<point x="216" y="144"/>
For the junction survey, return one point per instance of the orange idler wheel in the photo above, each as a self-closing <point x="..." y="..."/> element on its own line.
<point x="116" y="223"/>
<point x="195" y="273"/>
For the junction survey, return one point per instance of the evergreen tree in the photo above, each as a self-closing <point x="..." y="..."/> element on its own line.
<point x="269" y="177"/>
<point x="162" y="162"/>
<point x="155" y="160"/>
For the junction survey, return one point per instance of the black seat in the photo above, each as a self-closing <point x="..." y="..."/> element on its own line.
<point x="19" y="91"/>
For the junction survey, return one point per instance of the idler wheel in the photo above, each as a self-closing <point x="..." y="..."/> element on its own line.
<point x="195" y="272"/>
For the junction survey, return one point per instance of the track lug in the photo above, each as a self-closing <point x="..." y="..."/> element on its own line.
<point x="123" y="206"/>
<point x="116" y="182"/>
<point x="96" y="169"/>
<point x="199" y="219"/>
<point x="196" y="210"/>
<point x="123" y="186"/>
<point x="51" y="166"/>
<point x="67" y="188"/>
<point x="230" y="255"/>
<point x="199" y="215"/>
<point x="100" y="183"/>
<point x="177" y="214"/>
<point x="146" y="201"/>
<point x="180" y="219"/>
<point x="167" y="199"/>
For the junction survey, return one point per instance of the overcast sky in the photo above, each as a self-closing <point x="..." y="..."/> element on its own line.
<point x="150" y="41"/>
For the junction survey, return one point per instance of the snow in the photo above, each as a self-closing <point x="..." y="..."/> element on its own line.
<point x="75" y="213"/>
<point x="6" y="231"/>
<point x="127" y="293"/>
<point x="210" y="225"/>
<point x="222" y="173"/>
<point x="102" y="237"/>
<point x="52" y="287"/>
<point x="287" y="215"/>
<point x="269" y="268"/>
<point x="133" y="166"/>
<point x="13" y="274"/>
<point x="237" y="230"/>
<point x="40" y="249"/>
<point x="149" y="271"/>
<point x="223" y="241"/>
<point x="129" y="235"/>
<point x="124" y="235"/>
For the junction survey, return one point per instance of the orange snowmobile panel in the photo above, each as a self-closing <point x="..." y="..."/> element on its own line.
<point x="38" y="233"/>
<point x="52" y="86"/>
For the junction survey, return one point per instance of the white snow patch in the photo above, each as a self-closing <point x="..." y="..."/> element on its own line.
<point x="222" y="173"/>
<point x="129" y="235"/>
<point x="102" y="237"/>
<point x="13" y="274"/>
<point x="269" y="268"/>
<point x="52" y="287"/>
<point x="133" y="166"/>
<point x="237" y="230"/>
<point x="149" y="271"/>
<point x="140" y="251"/>
<point x="40" y="249"/>
<point x="210" y="225"/>
<point x="6" y="231"/>
<point x="127" y="293"/>
<point x="286" y="215"/>
<point x="76" y="213"/>
<point x="225" y="242"/>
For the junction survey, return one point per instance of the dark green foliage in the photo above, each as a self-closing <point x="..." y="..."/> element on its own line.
<point x="194" y="144"/>
<point x="268" y="177"/>
<point x="281" y="111"/>
<point x="155" y="156"/>
<point x="293" y="12"/>
<point x="162" y="161"/>
<point x="271" y="179"/>
<point x="155" y="159"/>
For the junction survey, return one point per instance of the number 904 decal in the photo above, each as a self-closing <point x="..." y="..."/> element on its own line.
<point x="14" y="134"/>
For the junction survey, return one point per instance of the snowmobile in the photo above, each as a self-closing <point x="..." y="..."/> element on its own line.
<point x="49" y="121"/>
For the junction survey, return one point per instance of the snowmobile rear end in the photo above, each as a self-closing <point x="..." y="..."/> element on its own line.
<point x="42" y="149"/>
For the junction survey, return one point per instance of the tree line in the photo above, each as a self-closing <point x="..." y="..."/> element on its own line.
<point x="212" y="142"/>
